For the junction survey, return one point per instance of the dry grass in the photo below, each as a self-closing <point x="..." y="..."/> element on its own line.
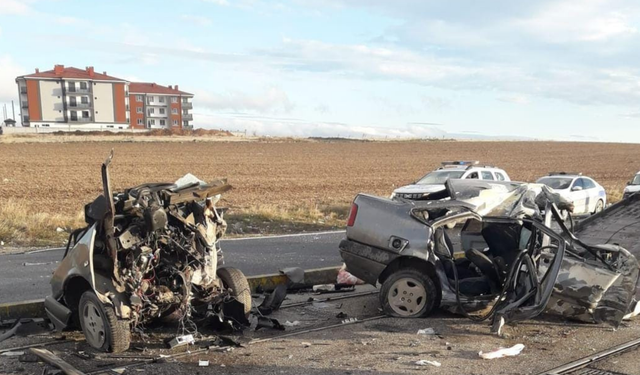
<point x="277" y="184"/>
<point x="21" y="224"/>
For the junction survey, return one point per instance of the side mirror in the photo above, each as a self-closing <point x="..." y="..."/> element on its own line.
<point x="576" y="188"/>
<point x="628" y="183"/>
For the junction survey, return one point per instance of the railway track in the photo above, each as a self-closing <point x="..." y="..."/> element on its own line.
<point x="582" y="366"/>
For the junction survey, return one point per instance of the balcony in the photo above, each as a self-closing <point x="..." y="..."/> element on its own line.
<point x="188" y="117"/>
<point x="23" y="90"/>
<point x="25" y="105"/>
<point x="79" y="119"/>
<point x="77" y="91"/>
<point x="187" y="105"/>
<point x="80" y="105"/>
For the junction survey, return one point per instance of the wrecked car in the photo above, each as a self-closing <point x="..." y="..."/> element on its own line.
<point x="505" y="262"/>
<point x="147" y="253"/>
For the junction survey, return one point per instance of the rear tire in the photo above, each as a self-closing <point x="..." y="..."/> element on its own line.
<point x="408" y="293"/>
<point x="234" y="279"/>
<point x="102" y="329"/>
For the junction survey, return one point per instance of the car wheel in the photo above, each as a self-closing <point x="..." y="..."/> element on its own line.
<point x="102" y="329"/>
<point x="234" y="279"/>
<point x="408" y="293"/>
<point x="599" y="207"/>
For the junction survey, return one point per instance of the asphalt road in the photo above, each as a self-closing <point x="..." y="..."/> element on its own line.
<point x="26" y="276"/>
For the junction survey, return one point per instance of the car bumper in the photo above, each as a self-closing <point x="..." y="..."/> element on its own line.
<point x="364" y="262"/>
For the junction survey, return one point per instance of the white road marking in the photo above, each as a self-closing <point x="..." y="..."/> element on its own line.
<point x="283" y="236"/>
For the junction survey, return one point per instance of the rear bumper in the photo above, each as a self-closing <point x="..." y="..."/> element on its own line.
<point x="59" y="314"/>
<point x="365" y="262"/>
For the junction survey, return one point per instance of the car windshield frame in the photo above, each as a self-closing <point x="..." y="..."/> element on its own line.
<point x="546" y="181"/>
<point x="636" y="180"/>
<point x="434" y="178"/>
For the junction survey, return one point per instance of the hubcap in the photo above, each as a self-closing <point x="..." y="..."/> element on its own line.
<point x="93" y="325"/>
<point x="599" y="206"/>
<point x="407" y="296"/>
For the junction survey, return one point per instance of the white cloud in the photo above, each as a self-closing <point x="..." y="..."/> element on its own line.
<point x="14" y="7"/>
<point x="272" y="100"/>
<point x="9" y="70"/>
<point x="217" y="2"/>
<point x="198" y="20"/>
<point x="515" y="99"/>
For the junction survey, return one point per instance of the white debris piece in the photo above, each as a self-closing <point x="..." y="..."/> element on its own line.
<point x="426" y="331"/>
<point x="202" y="363"/>
<point x="292" y="324"/>
<point x="119" y="370"/>
<point x="306" y="344"/>
<point x="182" y="340"/>
<point x="424" y="362"/>
<point x="59" y="230"/>
<point x="12" y="354"/>
<point x="324" y="288"/>
<point x="502" y="352"/>
<point x="344" y="277"/>
<point x="634" y="313"/>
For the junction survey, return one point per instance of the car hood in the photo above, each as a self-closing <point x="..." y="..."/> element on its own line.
<point x="411" y="189"/>
<point x="632" y="189"/>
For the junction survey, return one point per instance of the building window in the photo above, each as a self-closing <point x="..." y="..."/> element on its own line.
<point x="185" y="123"/>
<point x="84" y="100"/>
<point x="138" y="109"/>
<point x="72" y="101"/>
<point x="26" y="118"/>
<point x="151" y="111"/>
<point x="72" y="87"/>
<point x="185" y="111"/>
<point x="175" y="122"/>
<point x="83" y="85"/>
<point x="174" y="111"/>
<point x="163" y="123"/>
<point x="174" y="99"/>
<point x="74" y="116"/>
<point x="85" y="114"/>
<point x="149" y="99"/>
<point x="161" y="99"/>
<point x="138" y="98"/>
<point x="151" y="122"/>
<point x="185" y="100"/>
<point x="140" y="121"/>
<point x="162" y="111"/>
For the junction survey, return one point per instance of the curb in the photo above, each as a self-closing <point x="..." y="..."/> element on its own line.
<point x="328" y="275"/>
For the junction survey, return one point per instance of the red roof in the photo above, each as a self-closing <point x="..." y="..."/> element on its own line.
<point x="61" y="71"/>
<point x="153" y="88"/>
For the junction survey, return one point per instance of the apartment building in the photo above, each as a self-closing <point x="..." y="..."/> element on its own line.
<point x="74" y="99"/>
<point x="71" y="98"/>
<point x="155" y="106"/>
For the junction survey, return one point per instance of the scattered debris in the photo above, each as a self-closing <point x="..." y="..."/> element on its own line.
<point x="59" y="230"/>
<point x="427" y="331"/>
<point x="349" y="320"/>
<point x="26" y="327"/>
<point x="342" y="315"/>
<point x="264" y="322"/>
<point x="28" y="358"/>
<point x="294" y="274"/>
<point x="324" y="288"/>
<point x="12" y="354"/>
<point x="273" y="301"/>
<point x="203" y="363"/>
<point x="181" y="341"/>
<point x="292" y="324"/>
<point x="305" y="344"/>
<point x="502" y="352"/>
<point x="55" y="361"/>
<point x="27" y="264"/>
<point x="424" y="362"/>
<point x="634" y="313"/>
<point x="119" y="370"/>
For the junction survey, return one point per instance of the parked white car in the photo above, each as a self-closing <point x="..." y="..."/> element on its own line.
<point x="588" y="196"/>
<point x="434" y="181"/>
<point x="633" y="186"/>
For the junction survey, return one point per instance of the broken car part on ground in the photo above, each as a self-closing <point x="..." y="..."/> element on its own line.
<point x="149" y="252"/>
<point x="514" y="265"/>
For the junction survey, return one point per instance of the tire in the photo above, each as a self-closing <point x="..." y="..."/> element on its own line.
<point x="102" y="329"/>
<point x="398" y="290"/>
<point x="599" y="207"/>
<point x="234" y="279"/>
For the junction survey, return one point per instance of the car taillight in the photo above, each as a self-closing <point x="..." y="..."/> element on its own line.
<point x="352" y="215"/>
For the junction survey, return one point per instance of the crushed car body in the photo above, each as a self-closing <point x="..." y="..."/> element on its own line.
<point x="503" y="261"/>
<point x="149" y="252"/>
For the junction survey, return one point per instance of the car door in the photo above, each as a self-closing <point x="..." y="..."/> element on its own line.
<point x="592" y="194"/>
<point x="579" y="196"/>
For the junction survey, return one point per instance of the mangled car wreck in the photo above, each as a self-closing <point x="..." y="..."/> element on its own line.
<point x="509" y="258"/>
<point x="149" y="252"/>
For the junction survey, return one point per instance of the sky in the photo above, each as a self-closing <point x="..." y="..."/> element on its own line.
<point x="547" y="69"/>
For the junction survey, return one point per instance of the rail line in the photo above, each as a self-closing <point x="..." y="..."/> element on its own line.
<point x="575" y="366"/>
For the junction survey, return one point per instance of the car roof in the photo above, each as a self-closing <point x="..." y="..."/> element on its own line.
<point x="465" y="168"/>
<point x="572" y="176"/>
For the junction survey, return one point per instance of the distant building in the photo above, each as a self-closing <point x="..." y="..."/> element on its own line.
<point x="71" y="98"/>
<point x="155" y="106"/>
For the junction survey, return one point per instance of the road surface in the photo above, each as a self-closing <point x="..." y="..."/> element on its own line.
<point x="26" y="276"/>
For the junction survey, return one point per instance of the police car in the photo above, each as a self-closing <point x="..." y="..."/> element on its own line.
<point x="588" y="196"/>
<point x="633" y="186"/>
<point x="433" y="182"/>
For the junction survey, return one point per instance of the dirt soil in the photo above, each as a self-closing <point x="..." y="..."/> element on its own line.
<point x="385" y="346"/>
